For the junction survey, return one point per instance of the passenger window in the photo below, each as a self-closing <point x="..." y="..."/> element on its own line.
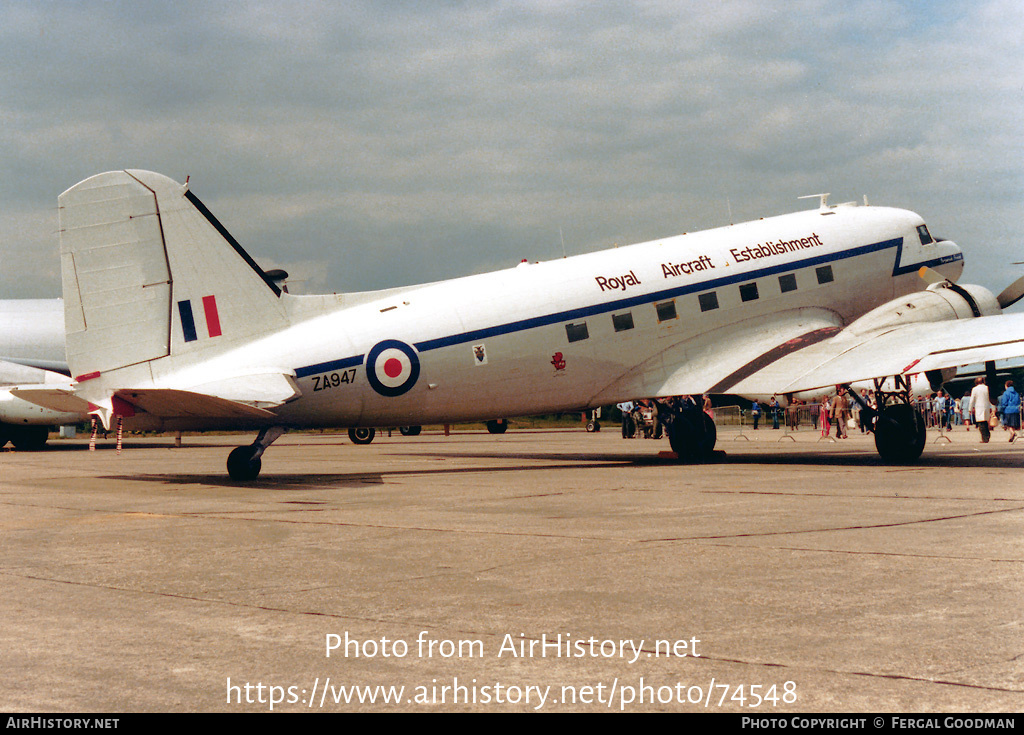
<point x="824" y="274"/>
<point x="576" y="332"/>
<point x="708" y="301"/>
<point x="748" y="292"/>
<point x="787" y="282"/>
<point x="666" y="311"/>
<point x="622" y="322"/>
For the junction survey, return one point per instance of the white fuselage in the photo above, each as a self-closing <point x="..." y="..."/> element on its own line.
<point x="574" y="333"/>
<point x="577" y="332"/>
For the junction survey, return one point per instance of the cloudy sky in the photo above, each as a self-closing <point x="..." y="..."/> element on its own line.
<point x="366" y="145"/>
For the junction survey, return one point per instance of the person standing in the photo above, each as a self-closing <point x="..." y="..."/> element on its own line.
<point x="755" y="413"/>
<point x="840" y="412"/>
<point x="981" y="406"/>
<point x="1009" y="409"/>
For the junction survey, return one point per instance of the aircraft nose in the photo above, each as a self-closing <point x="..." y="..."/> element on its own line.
<point x="951" y="260"/>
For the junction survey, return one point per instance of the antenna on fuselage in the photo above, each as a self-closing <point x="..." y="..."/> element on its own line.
<point x="562" y="238"/>
<point x="822" y="197"/>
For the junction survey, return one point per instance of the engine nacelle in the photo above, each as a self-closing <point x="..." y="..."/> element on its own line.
<point x="17" y="411"/>
<point x="940" y="302"/>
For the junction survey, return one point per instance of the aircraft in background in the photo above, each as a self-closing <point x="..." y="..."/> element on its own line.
<point x="31" y="352"/>
<point x="170" y="324"/>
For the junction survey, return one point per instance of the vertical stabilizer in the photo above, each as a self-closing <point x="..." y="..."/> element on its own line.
<point x="150" y="273"/>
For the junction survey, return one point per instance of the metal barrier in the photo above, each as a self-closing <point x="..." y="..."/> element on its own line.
<point x="732" y="421"/>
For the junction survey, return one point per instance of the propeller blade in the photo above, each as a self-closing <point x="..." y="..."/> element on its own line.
<point x="1012" y="293"/>
<point x="930" y="275"/>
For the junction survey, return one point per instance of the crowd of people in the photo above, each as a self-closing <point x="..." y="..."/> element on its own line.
<point x="843" y="412"/>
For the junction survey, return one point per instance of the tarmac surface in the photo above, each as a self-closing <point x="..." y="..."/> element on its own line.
<point x="538" y="570"/>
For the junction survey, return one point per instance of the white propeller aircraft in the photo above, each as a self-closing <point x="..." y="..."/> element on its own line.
<point x="31" y="351"/>
<point x="171" y="325"/>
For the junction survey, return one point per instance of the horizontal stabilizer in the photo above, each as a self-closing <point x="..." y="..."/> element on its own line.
<point x="55" y="399"/>
<point x="161" y="402"/>
<point x="261" y="389"/>
<point x="170" y="403"/>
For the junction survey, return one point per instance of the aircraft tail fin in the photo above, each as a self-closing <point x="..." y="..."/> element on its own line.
<point x="148" y="273"/>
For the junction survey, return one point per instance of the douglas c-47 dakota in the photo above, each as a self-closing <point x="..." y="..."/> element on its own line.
<point x="169" y="324"/>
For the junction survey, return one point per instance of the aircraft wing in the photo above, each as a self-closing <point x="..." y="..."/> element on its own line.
<point x="899" y="350"/>
<point x="712" y="363"/>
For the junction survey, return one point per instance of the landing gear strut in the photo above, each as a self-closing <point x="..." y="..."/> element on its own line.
<point x="244" y="462"/>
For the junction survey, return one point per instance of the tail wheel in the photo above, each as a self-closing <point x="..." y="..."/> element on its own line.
<point x="593" y="426"/>
<point x="693" y="435"/>
<point x="497" y="426"/>
<point x="900" y="434"/>
<point x="361" y="434"/>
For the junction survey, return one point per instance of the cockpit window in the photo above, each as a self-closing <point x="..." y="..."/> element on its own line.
<point x="926" y="237"/>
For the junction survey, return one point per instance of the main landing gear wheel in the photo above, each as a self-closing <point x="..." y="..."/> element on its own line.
<point x="497" y="426"/>
<point x="243" y="464"/>
<point x="900" y="434"/>
<point x="29" y="438"/>
<point x="361" y="434"/>
<point x="693" y="435"/>
<point x="24" y="438"/>
<point x="410" y="430"/>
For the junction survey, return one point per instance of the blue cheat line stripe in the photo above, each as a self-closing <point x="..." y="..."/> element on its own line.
<point x="667" y="293"/>
<point x="325" y="367"/>
<point x="609" y="306"/>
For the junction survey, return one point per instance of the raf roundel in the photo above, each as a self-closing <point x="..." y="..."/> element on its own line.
<point x="392" y="367"/>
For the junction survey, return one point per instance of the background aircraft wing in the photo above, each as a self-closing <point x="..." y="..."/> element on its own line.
<point x="904" y="349"/>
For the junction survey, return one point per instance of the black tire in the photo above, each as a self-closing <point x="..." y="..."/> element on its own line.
<point x="900" y="434"/>
<point x="361" y="434"/>
<point x="28" y="438"/>
<point x="593" y="426"/>
<point x="497" y="426"/>
<point x="410" y="430"/>
<point x="693" y="435"/>
<point x="242" y="465"/>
